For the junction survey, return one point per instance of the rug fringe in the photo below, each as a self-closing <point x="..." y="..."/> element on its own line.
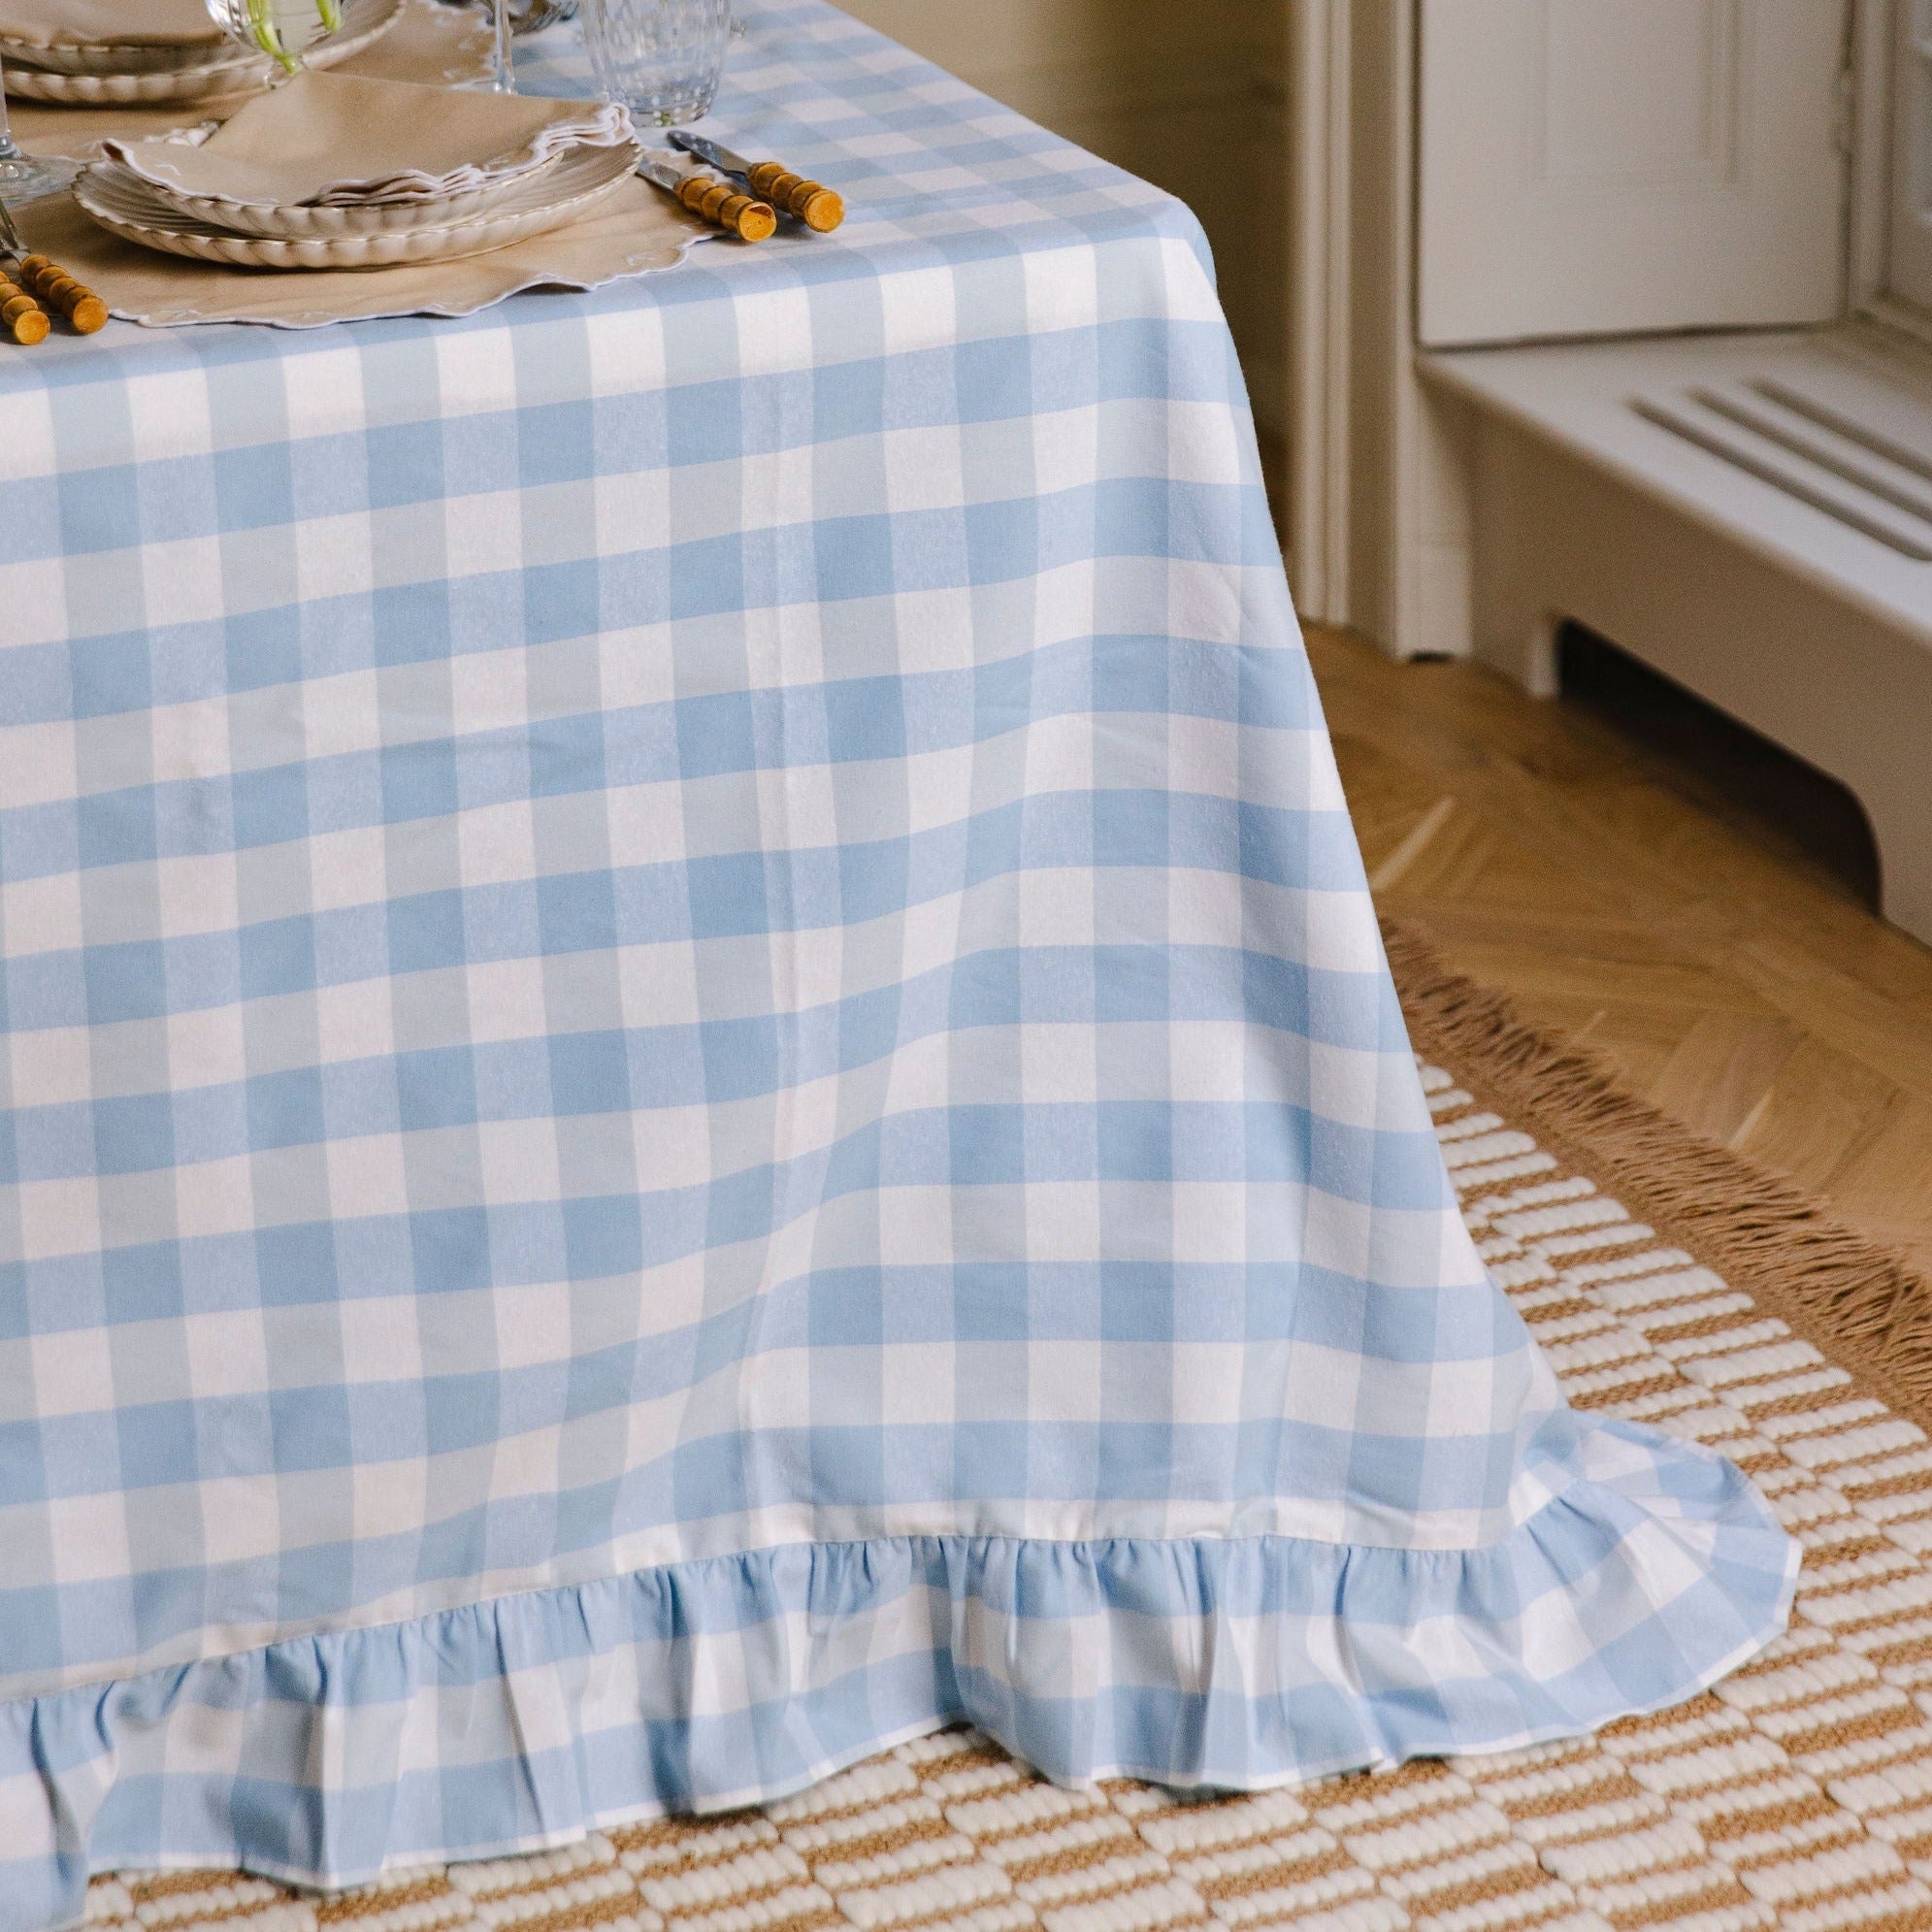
<point x="1863" y="1307"/>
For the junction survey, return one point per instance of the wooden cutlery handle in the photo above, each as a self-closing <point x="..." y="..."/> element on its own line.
<point x="811" y="202"/>
<point x="719" y="201"/>
<point x="21" y="317"/>
<point x="52" y="285"/>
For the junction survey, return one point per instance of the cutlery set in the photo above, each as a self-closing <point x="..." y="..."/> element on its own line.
<point x="30" y="284"/>
<point x="751" y="210"/>
<point x="774" y="185"/>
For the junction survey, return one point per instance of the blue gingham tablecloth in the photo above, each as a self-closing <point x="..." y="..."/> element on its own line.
<point x="697" y="1073"/>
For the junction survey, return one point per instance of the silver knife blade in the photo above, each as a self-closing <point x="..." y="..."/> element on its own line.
<point x="711" y="152"/>
<point x="663" y="174"/>
<point x="9" y="236"/>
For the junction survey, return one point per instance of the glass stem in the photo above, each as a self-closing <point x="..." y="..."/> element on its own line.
<point x="505" y="77"/>
<point x="9" y="148"/>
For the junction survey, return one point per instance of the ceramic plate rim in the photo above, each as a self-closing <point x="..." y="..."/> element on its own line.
<point x="341" y="220"/>
<point x="201" y="242"/>
<point x="102" y="60"/>
<point x="183" y="83"/>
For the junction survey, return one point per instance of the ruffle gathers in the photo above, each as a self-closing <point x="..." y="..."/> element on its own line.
<point x="1236" y="1664"/>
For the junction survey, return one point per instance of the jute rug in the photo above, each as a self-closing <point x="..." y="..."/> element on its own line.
<point x="1668" y="1282"/>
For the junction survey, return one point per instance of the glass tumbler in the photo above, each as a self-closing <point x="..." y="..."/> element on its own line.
<point x="661" y="58"/>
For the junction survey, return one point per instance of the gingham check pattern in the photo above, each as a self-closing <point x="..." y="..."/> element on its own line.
<point x="698" y="1070"/>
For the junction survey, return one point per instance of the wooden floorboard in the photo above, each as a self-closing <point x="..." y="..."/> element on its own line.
<point x="1623" y="902"/>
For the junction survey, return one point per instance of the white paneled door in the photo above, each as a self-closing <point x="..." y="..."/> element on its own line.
<point x="1592" y="167"/>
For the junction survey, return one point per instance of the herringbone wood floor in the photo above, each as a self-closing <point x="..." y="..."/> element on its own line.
<point x="1619" y="902"/>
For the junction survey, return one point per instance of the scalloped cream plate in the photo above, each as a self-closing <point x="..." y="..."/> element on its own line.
<point x="124" y="204"/>
<point x="335" y="221"/>
<point x="103" y="57"/>
<point x="231" y="71"/>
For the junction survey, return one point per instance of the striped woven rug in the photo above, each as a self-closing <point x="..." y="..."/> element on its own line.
<point x="1668" y="1283"/>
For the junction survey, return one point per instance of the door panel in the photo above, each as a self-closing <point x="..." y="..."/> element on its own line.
<point x="1909" y="270"/>
<point x="1598" y="166"/>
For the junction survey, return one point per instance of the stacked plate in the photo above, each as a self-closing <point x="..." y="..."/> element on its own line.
<point x="151" y="54"/>
<point x="440" y="174"/>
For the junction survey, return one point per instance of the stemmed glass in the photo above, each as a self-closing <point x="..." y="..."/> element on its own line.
<point x="519" y="17"/>
<point x="22" y="177"/>
<point x="502" y="68"/>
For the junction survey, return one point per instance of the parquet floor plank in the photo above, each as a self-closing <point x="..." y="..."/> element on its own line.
<point x="1721" y="1077"/>
<point x="1863" y="1024"/>
<point x="1821" y="1111"/>
<point x="1624" y="903"/>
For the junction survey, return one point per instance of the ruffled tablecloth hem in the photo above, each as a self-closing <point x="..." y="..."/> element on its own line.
<point x="1236" y="1664"/>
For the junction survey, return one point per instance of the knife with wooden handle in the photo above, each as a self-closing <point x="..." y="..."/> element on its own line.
<point x="44" y="285"/>
<point x="810" y="202"/>
<point x="21" y="317"/>
<point x="713" y="200"/>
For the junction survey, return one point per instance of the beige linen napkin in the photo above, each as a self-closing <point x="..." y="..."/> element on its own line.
<point x="121" y="22"/>
<point x="295" y="144"/>
<point x="636" y="230"/>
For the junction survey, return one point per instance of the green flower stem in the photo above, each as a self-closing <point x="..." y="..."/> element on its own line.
<point x="268" y="36"/>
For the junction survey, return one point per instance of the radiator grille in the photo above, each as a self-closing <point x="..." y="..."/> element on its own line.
<point x="1861" y="455"/>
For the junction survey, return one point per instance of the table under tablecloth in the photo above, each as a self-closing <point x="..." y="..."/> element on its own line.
<point x="697" y="1071"/>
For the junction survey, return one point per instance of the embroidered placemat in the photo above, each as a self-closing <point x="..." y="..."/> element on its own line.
<point x="633" y="231"/>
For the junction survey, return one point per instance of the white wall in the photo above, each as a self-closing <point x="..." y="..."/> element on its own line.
<point x="1188" y="96"/>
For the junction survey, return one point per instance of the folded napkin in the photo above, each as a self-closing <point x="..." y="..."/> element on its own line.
<point x="113" y="22"/>
<point x="288" y="147"/>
